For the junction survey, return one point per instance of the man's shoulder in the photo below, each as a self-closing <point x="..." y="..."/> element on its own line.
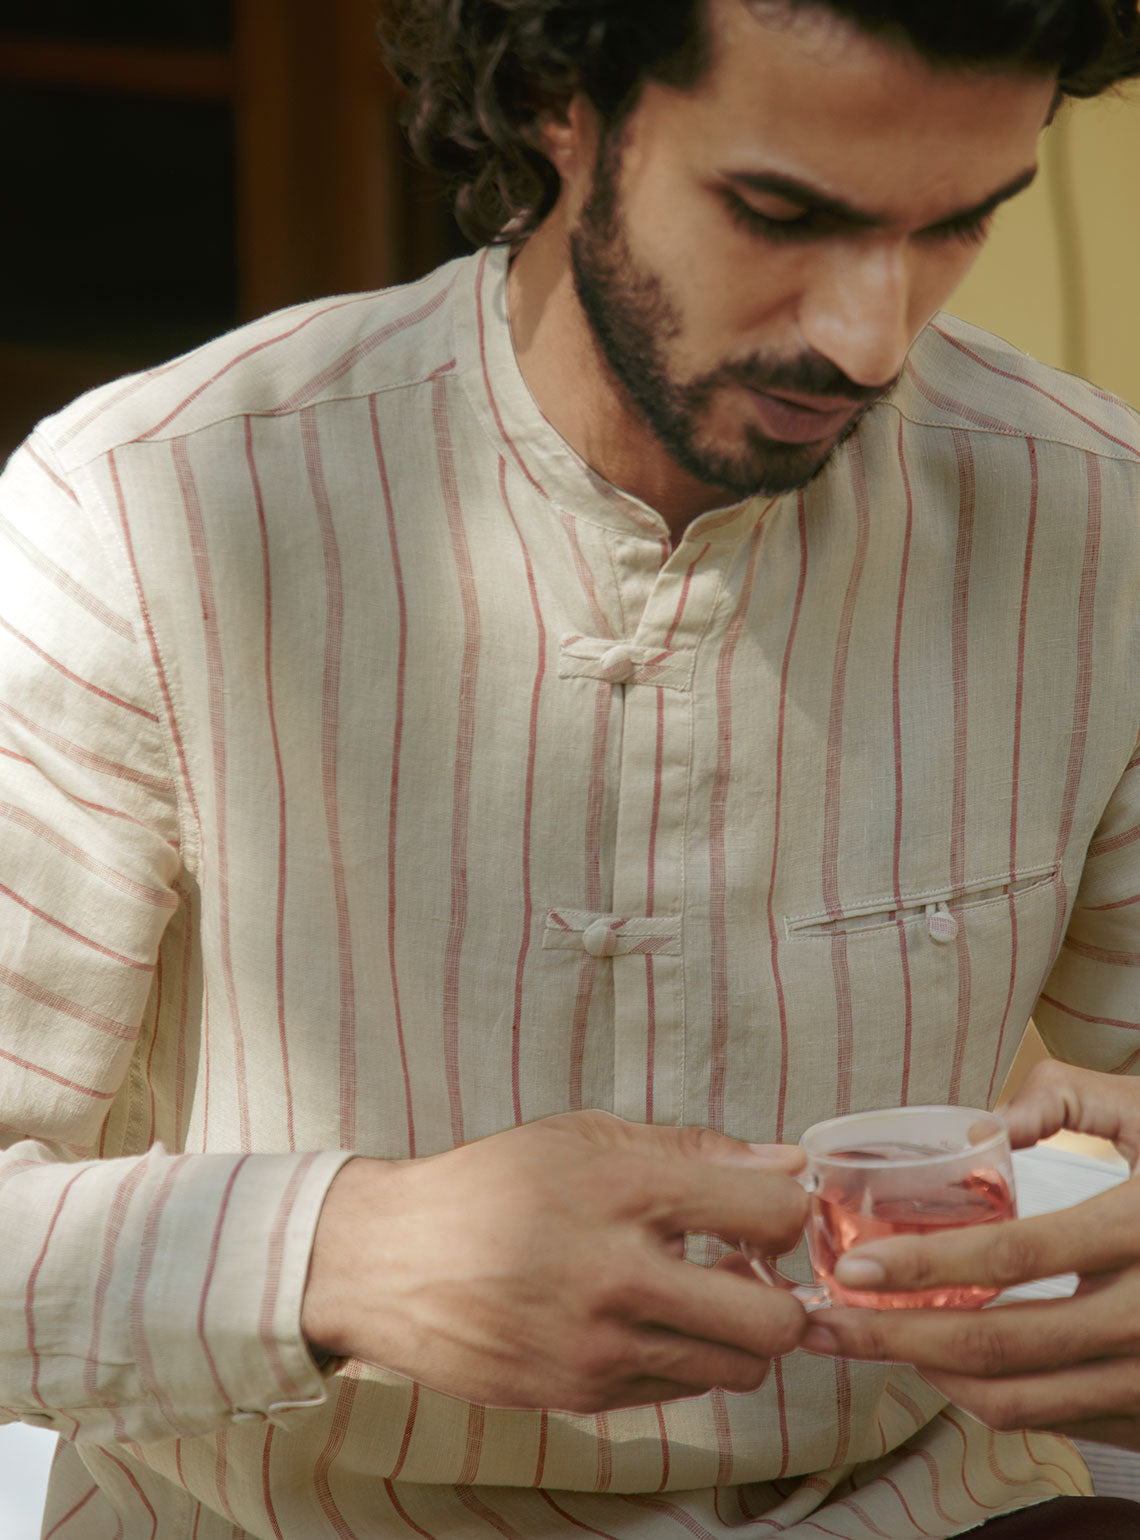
<point x="959" y="376"/>
<point x="336" y="348"/>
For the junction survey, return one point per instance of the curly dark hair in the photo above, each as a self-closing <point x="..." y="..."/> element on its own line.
<point x="480" y="74"/>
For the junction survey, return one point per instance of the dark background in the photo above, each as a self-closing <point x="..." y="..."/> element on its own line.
<point x="174" y="167"/>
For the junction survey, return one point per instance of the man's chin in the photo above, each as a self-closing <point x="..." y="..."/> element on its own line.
<point x="769" y="470"/>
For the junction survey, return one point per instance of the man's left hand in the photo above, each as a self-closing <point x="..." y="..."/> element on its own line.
<point x="1068" y="1365"/>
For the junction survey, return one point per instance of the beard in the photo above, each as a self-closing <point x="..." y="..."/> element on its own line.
<point x="634" y="321"/>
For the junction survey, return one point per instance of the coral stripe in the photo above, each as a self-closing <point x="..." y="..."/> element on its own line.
<point x="896" y="729"/>
<point x="152" y="641"/>
<point x="528" y="799"/>
<point x="116" y="1219"/>
<point x="958" y="409"/>
<point x="844" y="1047"/>
<point x="330" y="710"/>
<point x="577" y="1523"/>
<point x="279" y="772"/>
<point x="464" y="754"/>
<point x="85" y="684"/>
<point x="718" y="858"/>
<point x="161" y="898"/>
<point x="402" y="1512"/>
<point x="1110" y="842"/>
<point x="394" y="775"/>
<point x="148" y="1248"/>
<point x="959" y="647"/>
<point x="70" y="1514"/>
<point x="86" y="758"/>
<point x="1078" y="733"/>
<point x="1015" y="772"/>
<point x="507" y="439"/>
<point x="30" y="1287"/>
<point x="123" y="1031"/>
<point x="64" y="582"/>
<point x="773" y="933"/>
<point x="48" y="1074"/>
<point x="96" y="946"/>
<point x="138" y="1492"/>
<point x="327" y="1457"/>
<point x="211" y="1266"/>
<point x="216" y="688"/>
<point x="358" y="352"/>
<point x="1028" y="384"/>
<point x="1095" y="1021"/>
<point x="240" y="358"/>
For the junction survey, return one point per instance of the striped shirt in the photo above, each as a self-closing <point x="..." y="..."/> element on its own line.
<point x="375" y="777"/>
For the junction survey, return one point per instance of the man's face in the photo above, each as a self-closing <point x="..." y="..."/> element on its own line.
<point x="755" y="257"/>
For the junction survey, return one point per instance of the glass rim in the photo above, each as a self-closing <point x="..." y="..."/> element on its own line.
<point x="999" y="1135"/>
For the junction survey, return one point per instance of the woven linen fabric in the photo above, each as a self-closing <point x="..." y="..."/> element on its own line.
<point x="376" y="777"/>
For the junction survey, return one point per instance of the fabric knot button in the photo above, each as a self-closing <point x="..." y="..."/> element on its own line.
<point x="941" y="923"/>
<point x="616" y="665"/>
<point x="599" y="939"/>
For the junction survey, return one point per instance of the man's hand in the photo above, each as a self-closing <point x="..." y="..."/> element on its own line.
<point x="543" y="1266"/>
<point x="1069" y="1365"/>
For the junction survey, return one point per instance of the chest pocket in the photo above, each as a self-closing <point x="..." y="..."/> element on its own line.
<point x="940" y="910"/>
<point x="928" y="991"/>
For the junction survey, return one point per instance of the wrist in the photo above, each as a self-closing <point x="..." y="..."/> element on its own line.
<point x="342" y="1251"/>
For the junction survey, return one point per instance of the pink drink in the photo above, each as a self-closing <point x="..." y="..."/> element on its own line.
<point x="850" y="1208"/>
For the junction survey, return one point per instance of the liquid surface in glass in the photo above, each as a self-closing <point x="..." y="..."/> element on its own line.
<point x="852" y="1207"/>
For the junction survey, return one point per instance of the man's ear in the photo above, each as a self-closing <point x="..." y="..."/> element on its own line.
<point x="568" y="136"/>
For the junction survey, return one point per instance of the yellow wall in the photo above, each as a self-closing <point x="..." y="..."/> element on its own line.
<point x="1060" y="275"/>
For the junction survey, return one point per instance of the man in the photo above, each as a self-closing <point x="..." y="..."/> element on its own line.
<point x="662" y="674"/>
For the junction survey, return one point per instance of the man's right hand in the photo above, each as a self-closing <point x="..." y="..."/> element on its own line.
<point x="543" y="1266"/>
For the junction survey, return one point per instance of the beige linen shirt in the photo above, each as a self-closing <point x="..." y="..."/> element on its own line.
<point x="375" y="777"/>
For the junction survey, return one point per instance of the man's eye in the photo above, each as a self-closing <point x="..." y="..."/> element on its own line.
<point x="796" y="225"/>
<point x="971" y="232"/>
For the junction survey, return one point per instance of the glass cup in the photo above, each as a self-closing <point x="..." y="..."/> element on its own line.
<point x="902" y="1171"/>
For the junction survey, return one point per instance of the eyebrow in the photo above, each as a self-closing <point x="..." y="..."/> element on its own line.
<point x="813" y="201"/>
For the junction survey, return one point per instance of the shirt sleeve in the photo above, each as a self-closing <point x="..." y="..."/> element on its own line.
<point x="1089" y="1010"/>
<point x="156" y="1294"/>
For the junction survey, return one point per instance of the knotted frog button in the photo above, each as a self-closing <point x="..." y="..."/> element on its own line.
<point x="599" y="939"/>
<point x="616" y="665"/>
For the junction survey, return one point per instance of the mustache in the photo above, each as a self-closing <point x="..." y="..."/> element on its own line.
<point x="809" y="375"/>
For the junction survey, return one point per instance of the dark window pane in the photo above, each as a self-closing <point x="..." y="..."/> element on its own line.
<point x="120" y="226"/>
<point x="190" y="23"/>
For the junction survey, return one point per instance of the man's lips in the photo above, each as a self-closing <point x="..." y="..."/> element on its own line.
<point x="802" y="419"/>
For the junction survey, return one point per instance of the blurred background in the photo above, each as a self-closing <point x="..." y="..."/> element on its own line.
<point x="174" y="169"/>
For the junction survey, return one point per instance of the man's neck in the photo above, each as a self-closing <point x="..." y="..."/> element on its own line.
<point x="576" y="393"/>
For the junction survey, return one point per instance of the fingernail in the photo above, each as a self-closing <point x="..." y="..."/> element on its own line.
<point x="819" y="1339"/>
<point x="860" y="1273"/>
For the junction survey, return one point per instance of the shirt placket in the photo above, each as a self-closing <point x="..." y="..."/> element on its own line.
<point x="651" y="670"/>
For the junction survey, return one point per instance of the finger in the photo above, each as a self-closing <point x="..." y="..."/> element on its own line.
<point x="701" y="1365"/>
<point x="1008" y="1340"/>
<point x="715" y="1306"/>
<point x="690" y="1143"/>
<point x="706" y="1144"/>
<point x="1054" y="1096"/>
<point x="764" y="1208"/>
<point x="1099" y="1235"/>
<point x="1081" y="1394"/>
<point x="1124" y="1431"/>
<point x="737" y="1263"/>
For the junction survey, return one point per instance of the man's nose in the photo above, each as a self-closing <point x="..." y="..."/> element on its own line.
<point x="856" y="311"/>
